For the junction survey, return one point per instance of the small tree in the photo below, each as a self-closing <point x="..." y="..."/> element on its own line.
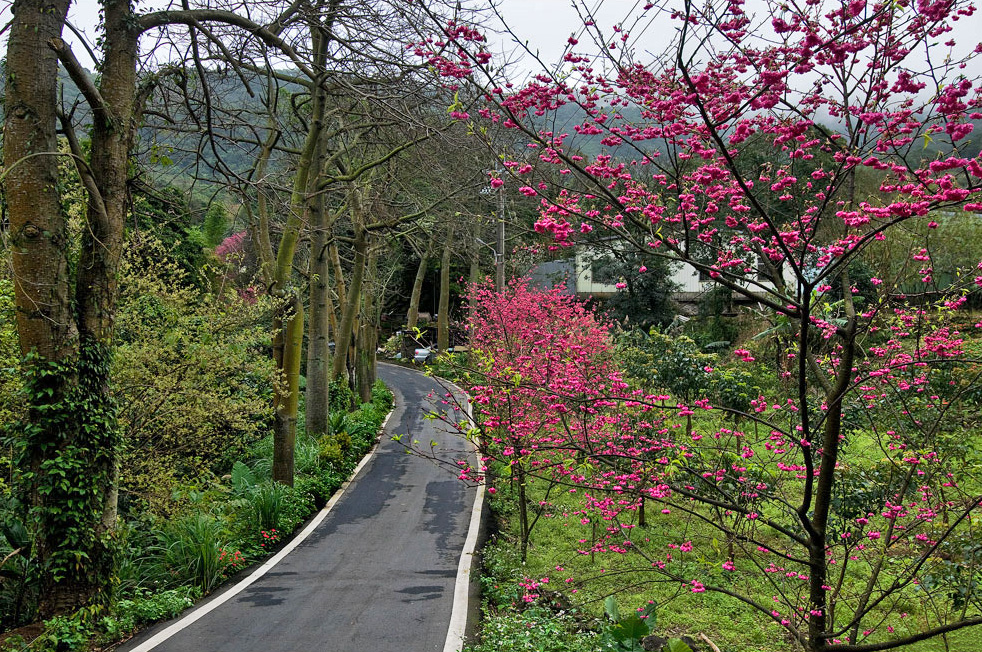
<point x="645" y="291"/>
<point x="538" y="356"/>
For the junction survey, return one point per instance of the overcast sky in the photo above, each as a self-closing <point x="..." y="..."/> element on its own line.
<point x="544" y="24"/>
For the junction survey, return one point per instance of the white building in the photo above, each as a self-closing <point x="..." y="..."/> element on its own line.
<point x="577" y="275"/>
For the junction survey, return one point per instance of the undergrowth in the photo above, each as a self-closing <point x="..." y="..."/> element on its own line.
<point x="220" y="526"/>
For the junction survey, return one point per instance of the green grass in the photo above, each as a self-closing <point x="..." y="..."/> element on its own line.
<point x="733" y="626"/>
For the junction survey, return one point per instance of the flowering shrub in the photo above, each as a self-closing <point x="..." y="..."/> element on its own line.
<point x="231" y="562"/>
<point x="543" y="371"/>
<point x="268" y="539"/>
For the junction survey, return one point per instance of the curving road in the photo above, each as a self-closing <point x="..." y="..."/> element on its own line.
<point x="377" y="573"/>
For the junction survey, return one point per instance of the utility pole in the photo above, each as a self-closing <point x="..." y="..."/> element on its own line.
<point x="499" y="259"/>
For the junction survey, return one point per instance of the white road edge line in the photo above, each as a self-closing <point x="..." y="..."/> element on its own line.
<point x="461" y="591"/>
<point x="196" y="614"/>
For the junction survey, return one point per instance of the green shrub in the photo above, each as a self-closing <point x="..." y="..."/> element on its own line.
<point x="64" y="634"/>
<point x="190" y="376"/>
<point x="295" y="509"/>
<point x="655" y="360"/>
<point x="320" y="487"/>
<point x="330" y="450"/>
<point x="341" y="396"/>
<point x="354" y="433"/>
<point x="266" y="503"/>
<point x="190" y="551"/>
<point x="127" y="615"/>
<point x="734" y="388"/>
<point x="382" y="397"/>
<point x="306" y="455"/>
<point x="137" y="567"/>
<point x="533" y="630"/>
<point x="19" y="586"/>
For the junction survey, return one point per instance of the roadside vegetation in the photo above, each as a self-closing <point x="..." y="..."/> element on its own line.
<point x="197" y="504"/>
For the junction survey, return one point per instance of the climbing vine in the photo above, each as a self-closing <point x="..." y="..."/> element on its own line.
<point x="65" y="452"/>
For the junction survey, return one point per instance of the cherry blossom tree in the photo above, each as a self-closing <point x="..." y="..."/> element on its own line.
<point x="544" y="366"/>
<point x="845" y="97"/>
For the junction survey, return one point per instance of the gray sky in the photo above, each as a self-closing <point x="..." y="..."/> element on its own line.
<point x="544" y="23"/>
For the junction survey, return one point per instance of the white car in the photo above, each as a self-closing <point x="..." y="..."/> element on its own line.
<point x="424" y="355"/>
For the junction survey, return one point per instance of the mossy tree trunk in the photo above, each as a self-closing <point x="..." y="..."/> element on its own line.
<point x="367" y="339"/>
<point x="317" y="398"/>
<point x="353" y="292"/>
<point x="288" y="324"/>
<point x="341" y="292"/>
<point x="67" y="454"/>
<point x="412" y="314"/>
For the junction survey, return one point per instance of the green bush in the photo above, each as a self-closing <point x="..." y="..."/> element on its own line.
<point x="320" y="487"/>
<point x="655" y="360"/>
<point x="190" y="376"/>
<point x="266" y="503"/>
<point x="341" y="396"/>
<point x="64" y="634"/>
<point x="127" y="615"/>
<point x="533" y="630"/>
<point x="296" y="508"/>
<point x="735" y="387"/>
<point x="306" y="455"/>
<point x="19" y="588"/>
<point x="382" y="398"/>
<point x="190" y="551"/>
<point x="330" y="451"/>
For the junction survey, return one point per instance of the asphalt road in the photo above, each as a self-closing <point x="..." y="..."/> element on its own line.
<point x="376" y="574"/>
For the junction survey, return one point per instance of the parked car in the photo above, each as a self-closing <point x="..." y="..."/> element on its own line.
<point x="424" y="355"/>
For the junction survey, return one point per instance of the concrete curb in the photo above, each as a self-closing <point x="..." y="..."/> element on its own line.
<point x="461" y="613"/>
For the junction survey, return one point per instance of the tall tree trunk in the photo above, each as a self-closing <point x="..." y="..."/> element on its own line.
<point x="340" y="288"/>
<point x="68" y="451"/>
<point x="443" y="318"/>
<point x="367" y="340"/>
<point x="317" y="404"/>
<point x="287" y="410"/>
<point x="412" y="315"/>
<point x="288" y="324"/>
<point x="353" y="297"/>
<point x="113" y="132"/>
<point x="366" y="359"/>
<point x="317" y="398"/>
<point x="342" y="294"/>
<point x="45" y="323"/>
